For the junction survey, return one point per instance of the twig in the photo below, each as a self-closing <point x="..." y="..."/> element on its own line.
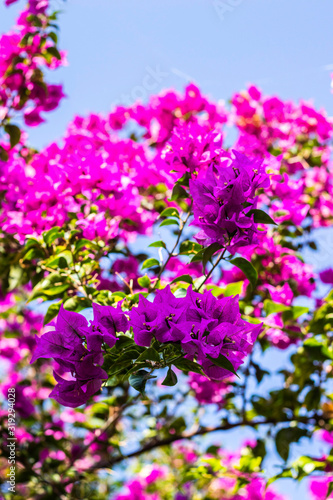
<point x="199" y="432"/>
<point x="212" y="269"/>
<point x="171" y="254"/>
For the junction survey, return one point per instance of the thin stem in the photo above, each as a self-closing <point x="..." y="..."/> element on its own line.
<point x="171" y="254"/>
<point x="212" y="269"/>
<point x="199" y="432"/>
<point x="244" y="387"/>
<point x="108" y="427"/>
<point x="125" y="282"/>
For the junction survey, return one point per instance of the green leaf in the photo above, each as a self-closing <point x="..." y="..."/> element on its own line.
<point x="260" y="373"/>
<point x="247" y="204"/>
<point x="297" y="311"/>
<point x="223" y="362"/>
<point x="285" y="437"/>
<point x="178" y="192"/>
<point x="286" y="473"/>
<point x="83" y="242"/>
<point x="52" y="312"/>
<point x="144" y="281"/>
<point x="188" y="247"/>
<point x="198" y="256"/>
<point x="14" y="134"/>
<point x="50" y="236"/>
<point x="55" y="290"/>
<point x="312" y="399"/>
<point x="209" y="252"/>
<point x="233" y="289"/>
<point x="251" y="319"/>
<point x="15" y="277"/>
<point x="31" y="242"/>
<point x="25" y="40"/>
<point x="128" y="354"/>
<point x="184" y="277"/>
<point x="77" y="303"/>
<point x="170" y="212"/>
<point x="62" y="260"/>
<point x="157" y="244"/>
<point x="53" y="51"/>
<point x="3" y="154"/>
<point x="171" y="378"/>
<point x="216" y="290"/>
<point x="259" y="216"/>
<point x="119" y="367"/>
<point x="35" y="21"/>
<point x="282" y="443"/>
<point x="271" y="307"/>
<point x="53" y="36"/>
<point x="138" y="380"/>
<point x="122" y="295"/>
<point x="181" y="292"/>
<point x="185" y="179"/>
<point x="151" y="354"/>
<point x="230" y="290"/>
<point x="187" y="365"/>
<point x="150" y="263"/>
<point x="169" y="222"/>
<point x="50" y="287"/>
<point x="316" y="350"/>
<point x="329" y="490"/>
<point x="36" y="278"/>
<point x="247" y="268"/>
<point x="178" y="425"/>
<point x="34" y="253"/>
<point x="124" y="342"/>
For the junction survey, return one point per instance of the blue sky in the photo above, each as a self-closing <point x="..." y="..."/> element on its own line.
<point x="284" y="46"/>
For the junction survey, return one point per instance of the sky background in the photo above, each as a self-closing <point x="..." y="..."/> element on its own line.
<point x="283" y="46"/>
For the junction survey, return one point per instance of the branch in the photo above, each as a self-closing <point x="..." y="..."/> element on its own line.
<point x="244" y="387"/>
<point x="109" y="427"/>
<point x="171" y="254"/>
<point x="199" y="432"/>
<point x="212" y="269"/>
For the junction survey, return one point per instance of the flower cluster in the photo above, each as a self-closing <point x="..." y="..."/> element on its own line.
<point x="266" y="123"/>
<point x="95" y="180"/>
<point x="65" y="345"/>
<point x="32" y="389"/>
<point x="192" y="148"/>
<point x="223" y="201"/>
<point x="92" y="182"/>
<point x="205" y="327"/>
<point x="23" y="53"/>
<point x="281" y="264"/>
<point x="275" y="334"/>
<point x="209" y="391"/>
<point x="319" y="486"/>
<point x="113" y="193"/>
<point x="137" y="488"/>
<point x="100" y="186"/>
<point x="156" y="481"/>
<point x="306" y="197"/>
<point x="168" y="110"/>
<point x="326" y="276"/>
<point x="298" y="133"/>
